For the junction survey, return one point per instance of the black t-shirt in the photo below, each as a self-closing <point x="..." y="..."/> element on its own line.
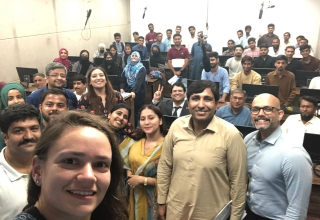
<point x="294" y="65"/>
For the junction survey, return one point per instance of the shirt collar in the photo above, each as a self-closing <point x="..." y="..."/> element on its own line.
<point x="272" y="139"/>
<point x="308" y="122"/>
<point x="212" y="126"/>
<point x="173" y="105"/>
<point x="12" y="174"/>
<point x="285" y="73"/>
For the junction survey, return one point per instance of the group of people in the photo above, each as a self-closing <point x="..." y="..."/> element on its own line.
<point x="52" y="168"/>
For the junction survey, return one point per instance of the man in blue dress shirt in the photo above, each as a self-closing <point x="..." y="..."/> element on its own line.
<point x="142" y="48"/>
<point x="280" y="170"/>
<point x="236" y="113"/>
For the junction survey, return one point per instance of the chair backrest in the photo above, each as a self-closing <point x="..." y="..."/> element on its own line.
<point x="311" y="92"/>
<point x="168" y="120"/>
<point x="224" y="49"/>
<point x="115" y="81"/>
<point x="223" y="59"/>
<point x="70" y="76"/>
<point x="97" y="61"/>
<point x="254" y="90"/>
<point x="310" y="143"/>
<point x="304" y="77"/>
<point x="245" y="130"/>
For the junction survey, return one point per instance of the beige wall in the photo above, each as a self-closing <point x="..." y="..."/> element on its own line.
<point x="33" y="31"/>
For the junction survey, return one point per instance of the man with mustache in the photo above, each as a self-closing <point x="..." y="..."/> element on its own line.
<point x="276" y="49"/>
<point x="306" y="122"/>
<point x="279" y="169"/>
<point x="79" y="85"/>
<point x="284" y="79"/>
<point x="203" y="162"/>
<point x="20" y="126"/>
<point x="53" y="102"/>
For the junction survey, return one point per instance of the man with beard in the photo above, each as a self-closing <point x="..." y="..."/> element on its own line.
<point x="276" y="50"/>
<point x="177" y="106"/>
<point x="308" y="61"/>
<point x="267" y="38"/>
<point x="56" y="78"/>
<point x="264" y="60"/>
<point x="279" y="169"/>
<point x="178" y="58"/>
<point x="20" y="126"/>
<point x="253" y="51"/>
<point x="203" y="162"/>
<point x="53" y="102"/>
<point x="284" y="79"/>
<point x="306" y="122"/>
<point x="303" y="41"/>
<point x="236" y="113"/>
<point x="217" y="74"/>
<point x="79" y="85"/>
<point x="247" y="76"/>
<point x="293" y="64"/>
<point x="151" y="37"/>
<point x="234" y="63"/>
<point x="230" y="50"/>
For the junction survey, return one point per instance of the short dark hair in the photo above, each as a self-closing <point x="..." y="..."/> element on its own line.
<point x="292" y="47"/>
<point x="177" y="35"/>
<point x="231" y="41"/>
<point x="307" y="98"/>
<point x="79" y="77"/>
<point x="121" y="105"/>
<point x="240" y="31"/>
<point x="276" y="38"/>
<point x="271" y="25"/>
<point x="238" y="90"/>
<point x="117" y="35"/>
<point x="141" y="37"/>
<point x="239" y="45"/>
<point x="305" y="46"/>
<point x="191" y="27"/>
<point x="281" y="57"/>
<point x="287" y="33"/>
<point x="213" y="54"/>
<point x="135" y="33"/>
<point x="300" y="36"/>
<point x="246" y="58"/>
<point x="305" y="39"/>
<point x="200" y="85"/>
<point x="178" y="26"/>
<point x="251" y="39"/>
<point x="178" y="84"/>
<point x="17" y="112"/>
<point x="247" y="27"/>
<point x="263" y="46"/>
<point x="54" y="91"/>
<point x="39" y="74"/>
<point x="168" y="30"/>
<point x="150" y="24"/>
<point x="159" y="33"/>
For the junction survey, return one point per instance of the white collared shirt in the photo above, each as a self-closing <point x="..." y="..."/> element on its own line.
<point x="275" y="54"/>
<point x="295" y="129"/>
<point x="13" y="190"/>
<point x="179" y="110"/>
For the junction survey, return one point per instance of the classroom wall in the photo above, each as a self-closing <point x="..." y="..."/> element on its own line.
<point x="227" y="16"/>
<point x="33" y="31"/>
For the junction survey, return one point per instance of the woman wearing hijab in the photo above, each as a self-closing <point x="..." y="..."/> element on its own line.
<point x="63" y="58"/>
<point x="157" y="63"/>
<point x="83" y="65"/>
<point x="100" y="52"/>
<point x="109" y="65"/>
<point x="127" y="53"/>
<point x="133" y="80"/>
<point x="11" y="93"/>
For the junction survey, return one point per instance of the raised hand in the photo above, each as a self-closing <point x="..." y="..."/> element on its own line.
<point x="158" y="93"/>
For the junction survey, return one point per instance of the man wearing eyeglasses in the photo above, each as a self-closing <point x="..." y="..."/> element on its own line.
<point x="279" y="169"/>
<point x="56" y="78"/>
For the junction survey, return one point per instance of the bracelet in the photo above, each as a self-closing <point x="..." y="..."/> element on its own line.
<point x="145" y="181"/>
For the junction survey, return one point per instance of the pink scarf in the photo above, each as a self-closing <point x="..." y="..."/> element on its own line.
<point x="65" y="61"/>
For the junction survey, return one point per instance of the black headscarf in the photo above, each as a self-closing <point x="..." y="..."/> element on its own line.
<point x="156" y="59"/>
<point x="84" y="61"/>
<point x="113" y="69"/>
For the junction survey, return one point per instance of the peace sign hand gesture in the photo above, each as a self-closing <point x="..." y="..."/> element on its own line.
<point x="158" y="93"/>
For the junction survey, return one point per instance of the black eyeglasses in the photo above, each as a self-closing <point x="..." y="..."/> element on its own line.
<point x="266" y="109"/>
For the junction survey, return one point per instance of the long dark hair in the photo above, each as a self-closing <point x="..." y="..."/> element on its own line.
<point x="94" y="99"/>
<point x="110" y="207"/>
<point x="138" y="133"/>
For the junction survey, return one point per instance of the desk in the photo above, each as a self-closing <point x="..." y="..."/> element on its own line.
<point x="130" y="102"/>
<point x="152" y="87"/>
<point x="30" y="89"/>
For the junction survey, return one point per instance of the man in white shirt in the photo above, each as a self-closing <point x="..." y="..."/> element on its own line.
<point x="303" y="41"/>
<point x="234" y="63"/>
<point x="240" y="39"/>
<point x="79" y="85"/>
<point x="20" y="126"/>
<point x="286" y="42"/>
<point x="276" y="49"/>
<point x="306" y="122"/>
<point x="193" y="39"/>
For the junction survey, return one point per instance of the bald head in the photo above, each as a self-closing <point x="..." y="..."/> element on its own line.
<point x="266" y="99"/>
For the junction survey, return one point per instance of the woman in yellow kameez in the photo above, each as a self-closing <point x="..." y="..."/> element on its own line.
<point x="141" y="154"/>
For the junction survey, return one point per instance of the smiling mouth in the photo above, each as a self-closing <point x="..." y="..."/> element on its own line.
<point x="81" y="193"/>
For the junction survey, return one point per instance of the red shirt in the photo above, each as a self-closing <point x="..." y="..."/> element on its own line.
<point x="151" y="38"/>
<point x="174" y="53"/>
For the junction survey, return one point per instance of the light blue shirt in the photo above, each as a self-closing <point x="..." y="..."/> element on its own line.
<point x="243" y="117"/>
<point x="280" y="177"/>
<point x="162" y="46"/>
<point x="168" y="43"/>
<point x="240" y="41"/>
<point x="220" y="76"/>
<point x="143" y="49"/>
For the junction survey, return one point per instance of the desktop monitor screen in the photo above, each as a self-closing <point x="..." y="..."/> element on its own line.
<point x="263" y="71"/>
<point x="73" y="59"/>
<point x="168" y="120"/>
<point x="98" y="61"/>
<point x="254" y="90"/>
<point x="310" y="143"/>
<point x="132" y="44"/>
<point x="303" y="77"/>
<point x="245" y="130"/>
<point x="311" y="92"/>
<point x="26" y="74"/>
<point x="223" y="59"/>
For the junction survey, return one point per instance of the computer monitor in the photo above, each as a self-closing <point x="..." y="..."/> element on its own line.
<point x="115" y="81"/>
<point x="148" y="47"/>
<point x="224" y="49"/>
<point x="132" y="44"/>
<point x="245" y="130"/>
<point x="139" y="51"/>
<point x="168" y="120"/>
<point x="310" y="143"/>
<point x="146" y="65"/>
<point x="303" y="77"/>
<point x="190" y="81"/>
<point x="70" y="76"/>
<point x="254" y="90"/>
<point x="73" y="59"/>
<point x="223" y="59"/>
<point x="26" y="74"/>
<point x="263" y="71"/>
<point x="311" y="92"/>
<point x="98" y="61"/>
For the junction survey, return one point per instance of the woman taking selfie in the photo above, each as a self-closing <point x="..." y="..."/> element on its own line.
<point x="141" y="155"/>
<point x="71" y="177"/>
